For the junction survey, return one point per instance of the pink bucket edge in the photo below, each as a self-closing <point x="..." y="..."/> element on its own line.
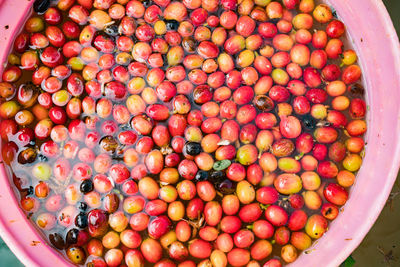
<point x="41" y="253"/>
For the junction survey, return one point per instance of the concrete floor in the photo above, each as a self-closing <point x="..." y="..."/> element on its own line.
<point x="393" y="6"/>
<point x="381" y="247"/>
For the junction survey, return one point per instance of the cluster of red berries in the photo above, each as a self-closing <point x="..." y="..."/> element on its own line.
<point x="182" y="133"/>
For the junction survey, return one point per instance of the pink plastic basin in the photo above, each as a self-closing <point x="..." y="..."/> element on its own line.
<point x="378" y="47"/>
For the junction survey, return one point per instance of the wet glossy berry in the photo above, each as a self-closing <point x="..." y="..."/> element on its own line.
<point x="81" y="220"/>
<point x="201" y="175"/>
<point x="192" y="148"/>
<point x="86" y="186"/>
<point x="171" y="24"/>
